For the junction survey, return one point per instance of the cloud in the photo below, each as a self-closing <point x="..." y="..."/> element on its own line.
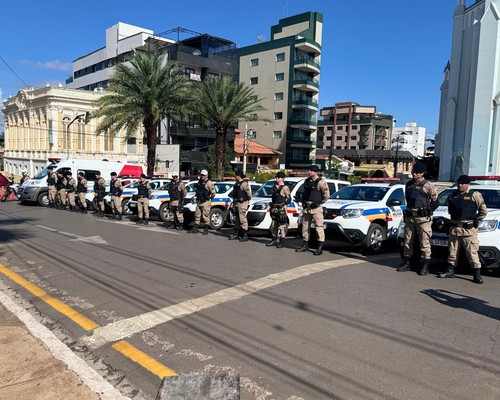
<point x="55" y="64"/>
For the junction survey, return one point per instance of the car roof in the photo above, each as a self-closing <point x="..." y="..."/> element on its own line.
<point x="378" y="185"/>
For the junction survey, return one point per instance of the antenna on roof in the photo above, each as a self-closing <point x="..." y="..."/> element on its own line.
<point x="261" y="38"/>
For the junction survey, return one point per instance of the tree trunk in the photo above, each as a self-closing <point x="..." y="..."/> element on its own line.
<point x="220" y="153"/>
<point x="151" y="142"/>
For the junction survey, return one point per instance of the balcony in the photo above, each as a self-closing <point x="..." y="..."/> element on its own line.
<point x="304" y="122"/>
<point x="306" y="84"/>
<point x="306" y="64"/>
<point x="308" y="46"/>
<point x="300" y="140"/>
<point x="304" y="102"/>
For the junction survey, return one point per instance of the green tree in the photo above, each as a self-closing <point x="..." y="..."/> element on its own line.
<point x="221" y="103"/>
<point x="140" y="96"/>
<point x="211" y="160"/>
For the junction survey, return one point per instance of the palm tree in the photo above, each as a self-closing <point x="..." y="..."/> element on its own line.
<point x="142" y="94"/>
<point x="222" y="102"/>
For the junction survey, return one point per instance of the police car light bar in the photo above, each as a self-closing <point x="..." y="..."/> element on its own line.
<point x="485" y="178"/>
<point x="379" y="179"/>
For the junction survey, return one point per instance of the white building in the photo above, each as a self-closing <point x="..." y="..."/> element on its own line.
<point x="409" y="138"/>
<point x="468" y="138"/>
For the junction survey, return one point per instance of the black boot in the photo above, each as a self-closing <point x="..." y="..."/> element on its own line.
<point x="101" y="214"/>
<point x="477" y="276"/>
<point x="281" y="243"/>
<point x="119" y="217"/>
<point x="450" y="272"/>
<point x="145" y="221"/>
<point x="405" y="266"/>
<point x="235" y="235"/>
<point x="244" y="236"/>
<point x="139" y="221"/>
<point x="273" y="242"/>
<point x="425" y="267"/>
<point x="319" y="250"/>
<point x="205" y="230"/>
<point x="194" y="230"/>
<point x="303" y="248"/>
<point x="84" y="211"/>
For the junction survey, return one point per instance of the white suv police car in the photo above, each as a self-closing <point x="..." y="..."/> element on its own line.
<point x="365" y="214"/>
<point x="488" y="229"/>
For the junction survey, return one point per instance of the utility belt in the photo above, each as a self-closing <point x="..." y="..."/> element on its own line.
<point x="419" y="212"/>
<point x="142" y="196"/>
<point x="54" y="185"/>
<point x="70" y="191"/>
<point x="311" y="205"/>
<point x="81" y="191"/>
<point x="116" y="194"/>
<point x="463" y="224"/>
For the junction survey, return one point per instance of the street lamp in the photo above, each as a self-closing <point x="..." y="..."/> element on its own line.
<point x="246" y="135"/>
<point x="396" y="159"/>
<point x="86" y="115"/>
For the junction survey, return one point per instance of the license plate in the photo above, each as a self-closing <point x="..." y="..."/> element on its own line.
<point x="439" y="242"/>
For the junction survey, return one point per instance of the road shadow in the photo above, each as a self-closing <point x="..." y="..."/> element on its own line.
<point x="457" y="300"/>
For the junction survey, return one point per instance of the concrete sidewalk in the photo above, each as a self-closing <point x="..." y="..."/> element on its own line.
<point x="36" y="365"/>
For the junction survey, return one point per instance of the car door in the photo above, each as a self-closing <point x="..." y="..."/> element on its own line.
<point x="397" y="196"/>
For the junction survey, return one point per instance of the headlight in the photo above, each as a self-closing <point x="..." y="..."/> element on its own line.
<point x="260" y="206"/>
<point x="487" y="225"/>
<point x="352" y="212"/>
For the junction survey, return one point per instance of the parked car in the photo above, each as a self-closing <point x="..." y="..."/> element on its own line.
<point x="488" y="229"/>
<point x="258" y="211"/>
<point x="365" y="214"/>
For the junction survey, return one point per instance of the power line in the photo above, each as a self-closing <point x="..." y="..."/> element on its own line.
<point x="14" y="72"/>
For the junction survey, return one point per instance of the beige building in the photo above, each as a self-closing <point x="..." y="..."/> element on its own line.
<point x="50" y="123"/>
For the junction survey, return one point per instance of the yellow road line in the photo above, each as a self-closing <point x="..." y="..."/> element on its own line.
<point x="143" y="359"/>
<point x="73" y="315"/>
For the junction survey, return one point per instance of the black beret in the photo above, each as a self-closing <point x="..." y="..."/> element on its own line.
<point x="143" y="176"/>
<point x="314" y="168"/>
<point x="280" y="175"/>
<point x="419" y="168"/>
<point x="113" y="174"/>
<point x="463" y="179"/>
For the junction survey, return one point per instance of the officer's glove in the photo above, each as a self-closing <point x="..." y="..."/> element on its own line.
<point x="475" y="223"/>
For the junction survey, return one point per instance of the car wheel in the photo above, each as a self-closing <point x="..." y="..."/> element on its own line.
<point x="164" y="212"/>
<point x="125" y="207"/>
<point x="43" y="199"/>
<point x="375" y="238"/>
<point x="217" y="218"/>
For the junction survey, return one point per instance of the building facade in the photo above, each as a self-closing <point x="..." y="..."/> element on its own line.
<point x="410" y="138"/>
<point x="48" y="123"/>
<point x="285" y="73"/>
<point x="469" y="117"/>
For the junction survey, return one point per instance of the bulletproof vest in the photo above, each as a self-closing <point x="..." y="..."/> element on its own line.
<point x="461" y="206"/>
<point x="80" y="187"/>
<point x="98" y="188"/>
<point x="174" y="192"/>
<point x="51" y="180"/>
<point x="142" y="189"/>
<point x="60" y="183"/>
<point x="69" y="186"/>
<point x="416" y="197"/>
<point x="238" y="192"/>
<point x="202" y="193"/>
<point x="311" y="191"/>
<point x="112" y="187"/>
<point x="276" y="196"/>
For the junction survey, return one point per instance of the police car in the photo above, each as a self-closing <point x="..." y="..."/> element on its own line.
<point x="258" y="213"/>
<point x="488" y="229"/>
<point x="366" y="214"/>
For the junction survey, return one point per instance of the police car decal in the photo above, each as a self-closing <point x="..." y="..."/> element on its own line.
<point x="372" y="215"/>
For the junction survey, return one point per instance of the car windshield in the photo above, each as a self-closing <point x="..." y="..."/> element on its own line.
<point x="223" y="187"/>
<point x="266" y="190"/>
<point x="364" y="193"/>
<point x="491" y="197"/>
<point x="42" y="174"/>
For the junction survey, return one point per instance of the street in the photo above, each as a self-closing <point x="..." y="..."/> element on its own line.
<point x="139" y="302"/>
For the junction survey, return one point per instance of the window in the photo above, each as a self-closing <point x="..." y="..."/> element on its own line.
<point x="354" y="127"/>
<point x="278" y="115"/>
<point x="277" y="134"/>
<point x="338" y="137"/>
<point x="280" y="57"/>
<point x="254" y="81"/>
<point x="280" y="77"/>
<point x="353" y="137"/>
<point x="340" y="128"/>
<point x="254" y="62"/>
<point x="188" y="71"/>
<point x="212" y="75"/>
<point x="278" y="96"/>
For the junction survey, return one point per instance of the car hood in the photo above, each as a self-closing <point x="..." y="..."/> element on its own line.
<point x="340" y="204"/>
<point x="442" y="211"/>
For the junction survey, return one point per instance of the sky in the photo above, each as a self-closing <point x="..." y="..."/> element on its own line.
<point x="389" y="53"/>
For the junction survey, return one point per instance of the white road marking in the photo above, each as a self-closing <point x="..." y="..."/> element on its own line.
<point x="88" y="239"/>
<point x="128" y="327"/>
<point x="151" y="228"/>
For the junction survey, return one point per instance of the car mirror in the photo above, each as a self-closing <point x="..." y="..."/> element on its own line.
<point x="394" y="202"/>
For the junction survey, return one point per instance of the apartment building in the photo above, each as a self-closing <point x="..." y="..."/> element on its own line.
<point x="410" y="138"/>
<point x="285" y="73"/>
<point x="350" y="126"/>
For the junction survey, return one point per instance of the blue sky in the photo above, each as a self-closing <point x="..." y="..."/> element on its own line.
<point x="388" y="53"/>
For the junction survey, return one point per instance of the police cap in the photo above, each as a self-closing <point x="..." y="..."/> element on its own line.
<point x="314" y="168"/>
<point x="81" y="173"/>
<point x="113" y="173"/>
<point x="143" y="176"/>
<point x="463" y="180"/>
<point x="419" y="168"/>
<point x="50" y="167"/>
<point x="239" y="173"/>
<point x="280" y="175"/>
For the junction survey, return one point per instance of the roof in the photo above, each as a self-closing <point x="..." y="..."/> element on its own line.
<point x="253" y="147"/>
<point x="353" y="154"/>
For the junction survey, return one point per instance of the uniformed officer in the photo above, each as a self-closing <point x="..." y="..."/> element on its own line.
<point x="143" y="191"/>
<point x="81" y="191"/>
<point x="115" y="192"/>
<point x="316" y="192"/>
<point x="99" y="193"/>
<point x="466" y="208"/>
<point x="70" y="190"/>
<point x="280" y="198"/>
<point x="421" y="201"/>
<point x="51" y="183"/>
<point x="61" y="191"/>
<point x="241" y="199"/>
<point x="177" y="192"/>
<point x="205" y="192"/>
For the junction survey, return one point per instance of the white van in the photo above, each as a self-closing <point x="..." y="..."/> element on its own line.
<point x="36" y="190"/>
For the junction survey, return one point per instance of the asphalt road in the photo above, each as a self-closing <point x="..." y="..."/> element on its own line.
<point x="142" y="301"/>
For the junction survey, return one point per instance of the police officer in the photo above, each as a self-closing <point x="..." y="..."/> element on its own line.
<point x="241" y="199"/>
<point x="51" y="183"/>
<point x="70" y="190"/>
<point x="115" y="191"/>
<point x="177" y="192"/>
<point x="143" y="191"/>
<point x="466" y="209"/>
<point x="61" y="191"/>
<point x="316" y="192"/>
<point x="280" y="198"/>
<point x="421" y="201"/>
<point x="205" y="192"/>
<point x="99" y="193"/>
<point x="81" y="191"/>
